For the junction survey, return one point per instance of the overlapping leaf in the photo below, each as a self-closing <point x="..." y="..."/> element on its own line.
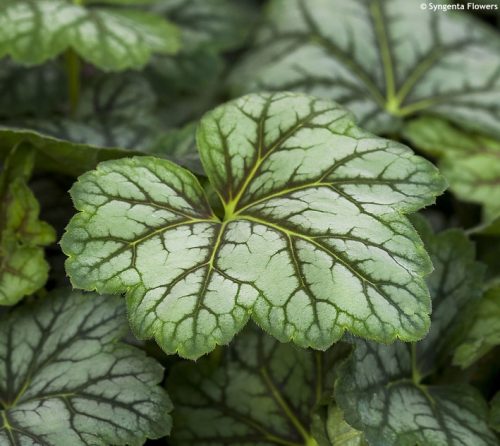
<point x="261" y="393"/>
<point x="179" y="145"/>
<point x="470" y="162"/>
<point x="23" y="269"/>
<point x="495" y="413"/>
<point x="210" y="24"/>
<point x="33" y="31"/>
<point x="186" y="85"/>
<point x="35" y="90"/>
<point x="66" y="380"/>
<point x="310" y="249"/>
<point x="116" y="110"/>
<point x="381" y="388"/>
<point x="384" y="59"/>
<point x="54" y="154"/>
<point x="484" y="334"/>
<point x="330" y="429"/>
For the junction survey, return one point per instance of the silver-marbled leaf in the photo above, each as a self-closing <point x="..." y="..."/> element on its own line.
<point x="385" y="60"/>
<point x="112" y="38"/>
<point x="313" y="241"/>
<point x="382" y="389"/>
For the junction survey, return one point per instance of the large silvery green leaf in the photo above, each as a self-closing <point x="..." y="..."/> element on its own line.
<point x="23" y="269"/>
<point x="53" y="154"/>
<point x="65" y="379"/>
<point x="313" y="241"/>
<point x="381" y="388"/>
<point x="385" y="60"/>
<point x="470" y="162"/>
<point x="260" y="393"/>
<point x="112" y="38"/>
<point x="484" y="334"/>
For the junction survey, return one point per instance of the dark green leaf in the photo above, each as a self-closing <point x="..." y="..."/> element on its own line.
<point x="34" y="31"/>
<point x="210" y="24"/>
<point x="330" y="429"/>
<point x="386" y="60"/>
<point x="495" y="413"/>
<point x="484" y="334"/>
<point x="35" y="90"/>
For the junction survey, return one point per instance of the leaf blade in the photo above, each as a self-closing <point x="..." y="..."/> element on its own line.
<point x="100" y="396"/>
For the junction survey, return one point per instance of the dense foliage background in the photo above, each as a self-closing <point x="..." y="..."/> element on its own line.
<point x="86" y="81"/>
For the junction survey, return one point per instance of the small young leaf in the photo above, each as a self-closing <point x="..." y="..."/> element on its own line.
<point x="33" y="31"/>
<point x="23" y="269"/>
<point x="385" y="60"/>
<point x="484" y="334"/>
<point x="66" y="380"/>
<point x="310" y="249"/>
<point x="330" y="429"/>
<point x="261" y="393"/>
<point x="380" y="387"/>
<point x="470" y="162"/>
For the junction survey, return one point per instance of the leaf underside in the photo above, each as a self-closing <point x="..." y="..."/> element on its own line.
<point x="308" y="249"/>
<point x="66" y="380"/>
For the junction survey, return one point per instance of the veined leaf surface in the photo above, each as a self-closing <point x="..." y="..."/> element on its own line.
<point x="23" y="269"/>
<point x="484" y="334"/>
<point x="381" y="388"/>
<point x="330" y="428"/>
<point x="214" y="25"/>
<point x="117" y="110"/>
<point x="260" y="393"/>
<point x="313" y="241"/>
<point x="66" y="380"/>
<point x="34" y="90"/>
<point x="495" y="412"/>
<point x="470" y="162"/>
<point x="33" y="31"/>
<point x="55" y="154"/>
<point x="383" y="59"/>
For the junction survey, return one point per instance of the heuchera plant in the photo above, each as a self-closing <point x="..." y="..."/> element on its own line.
<point x="256" y="248"/>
